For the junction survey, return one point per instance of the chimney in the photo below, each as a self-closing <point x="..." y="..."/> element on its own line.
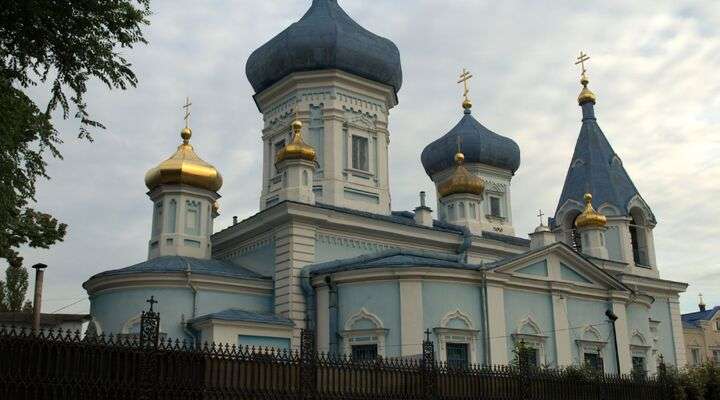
<point x="701" y="303"/>
<point x="235" y="220"/>
<point x="423" y="213"/>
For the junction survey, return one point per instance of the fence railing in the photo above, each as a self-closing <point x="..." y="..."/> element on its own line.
<point x="63" y="365"/>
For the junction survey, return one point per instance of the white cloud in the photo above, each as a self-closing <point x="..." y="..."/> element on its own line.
<point x="653" y="68"/>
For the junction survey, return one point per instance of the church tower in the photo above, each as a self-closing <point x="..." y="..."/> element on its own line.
<point x="490" y="158"/>
<point x="183" y="190"/>
<point x="596" y="168"/>
<point x="340" y="81"/>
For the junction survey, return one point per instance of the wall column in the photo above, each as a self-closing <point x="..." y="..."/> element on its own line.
<point x="562" y="331"/>
<point x="411" y="317"/>
<point x="623" y="338"/>
<point x="323" y="319"/>
<point x="498" y="329"/>
<point x="677" y="332"/>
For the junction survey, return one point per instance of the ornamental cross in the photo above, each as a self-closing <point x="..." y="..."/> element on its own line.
<point x="464" y="78"/>
<point x="582" y="58"/>
<point x="152" y="302"/>
<point x="186" y="107"/>
<point x="541" y="215"/>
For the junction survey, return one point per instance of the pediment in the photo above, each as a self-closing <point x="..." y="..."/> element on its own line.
<point x="559" y="263"/>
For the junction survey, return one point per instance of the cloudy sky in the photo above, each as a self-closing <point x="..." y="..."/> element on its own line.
<point x="654" y="69"/>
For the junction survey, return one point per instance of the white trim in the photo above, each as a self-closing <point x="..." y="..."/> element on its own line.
<point x="533" y="340"/>
<point x="457" y="314"/>
<point x="129" y="323"/>
<point x="468" y="335"/>
<point x="360" y="315"/>
<point x="354" y="337"/>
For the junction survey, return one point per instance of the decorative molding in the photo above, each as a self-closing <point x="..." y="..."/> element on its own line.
<point x="457" y="314"/>
<point x="248" y="247"/>
<point x="334" y="240"/>
<point x="361" y="315"/>
<point x="529" y="320"/>
<point x="364" y="336"/>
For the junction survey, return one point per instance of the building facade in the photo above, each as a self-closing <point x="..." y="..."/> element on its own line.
<point x="702" y="335"/>
<point x="326" y="252"/>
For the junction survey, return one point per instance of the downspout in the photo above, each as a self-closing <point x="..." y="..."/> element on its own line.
<point x="485" y="310"/>
<point x="185" y="325"/>
<point x="465" y="245"/>
<point x="310" y="300"/>
<point x="333" y="317"/>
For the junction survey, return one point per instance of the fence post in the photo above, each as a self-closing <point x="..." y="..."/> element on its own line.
<point x="149" y="342"/>
<point x="308" y="378"/>
<point x="429" y="372"/>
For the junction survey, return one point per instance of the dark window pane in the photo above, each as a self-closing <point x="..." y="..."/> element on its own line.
<point x="530" y="356"/>
<point x="495" y="207"/>
<point x="638" y="364"/>
<point x="457" y="355"/>
<point x="360" y="153"/>
<point x="365" y="352"/>
<point x="594" y="361"/>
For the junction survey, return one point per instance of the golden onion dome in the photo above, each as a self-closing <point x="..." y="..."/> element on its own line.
<point x="297" y="149"/>
<point x="586" y="95"/>
<point x="461" y="180"/>
<point x="186" y="168"/>
<point x="589" y="217"/>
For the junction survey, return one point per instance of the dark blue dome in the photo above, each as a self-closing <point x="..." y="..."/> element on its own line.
<point x="479" y="145"/>
<point x="325" y="38"/>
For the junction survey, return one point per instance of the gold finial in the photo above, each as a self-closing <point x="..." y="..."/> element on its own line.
<point x="586" y="95"/>
<point x="186" y="133"/>
<point x="589" y="217"/>
<point x="297" y="149"/>
<point x="464" y="78"/>
<point x="459" y="156"/>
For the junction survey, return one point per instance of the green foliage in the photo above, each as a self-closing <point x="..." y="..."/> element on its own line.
<point x="62" y="44"/>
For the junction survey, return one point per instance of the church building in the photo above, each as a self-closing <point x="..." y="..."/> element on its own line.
<point x="326" y="251"/>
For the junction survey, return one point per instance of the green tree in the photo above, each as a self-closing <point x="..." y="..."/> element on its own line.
<point x="61" y="45"/>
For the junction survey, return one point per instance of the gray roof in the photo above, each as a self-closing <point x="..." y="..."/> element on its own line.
<point x="234" y="314"/>
<point x="46" y="319"/>
<point x="596" y="168"/>
<point x="181" y="264"/>
<point x="479" y="145"/>
<point x="391" y="258"/>
<point x="325" y="38"/>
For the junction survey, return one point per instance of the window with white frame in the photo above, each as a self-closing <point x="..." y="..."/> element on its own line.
<point x="157" y="217"/>
<point x="639" y="353"/>
<point x="192" y="217"/>
<point x="457" y="339"/>
<point x="277" y="146"/>
<point x="716" y="356"/>
<point x="529" y="333"/>
<point x="360" y="153"/>
<point x="695" y="353"/>
<point x="591" y="347"/>
<point x="717" y="325"/>
<point x="364" y="336"/>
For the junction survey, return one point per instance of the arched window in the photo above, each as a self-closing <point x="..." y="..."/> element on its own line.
<point x="638" y="237"/>
<point x="172" y="216"/>
<point x="461" y="210"/>
<point x="574" y="238"/>
<point x="473" y="214"/>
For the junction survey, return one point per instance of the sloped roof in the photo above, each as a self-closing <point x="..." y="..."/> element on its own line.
<point x="596" y="168"/>
<point x="692" y="319"/>
<point x="391" y="258"/>
<point x="171" y="264"/>
<point x="10" y="318"/>
<point x="236" y="314"/>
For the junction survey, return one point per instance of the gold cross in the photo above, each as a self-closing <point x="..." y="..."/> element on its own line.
<point x="464" y="78"/>
<point x="187" y="110"/>
<point x="582" y="58"/>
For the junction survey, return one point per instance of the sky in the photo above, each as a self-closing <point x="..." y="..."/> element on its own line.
<point x="653" y="68"/>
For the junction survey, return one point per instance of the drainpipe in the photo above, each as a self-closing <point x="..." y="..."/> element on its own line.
<point x="310" y="302"/>
<point x="485" y="322"/>
<point x="333" y="317"/>
<point x="465" y="245"/>
<point x="185" y="325"/>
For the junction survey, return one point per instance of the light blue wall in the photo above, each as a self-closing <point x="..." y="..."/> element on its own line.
<point x="113" y="309"/>
<point x="439" y="298"/>
<point x="538" y="268"/>
<point x="637" y="316"/>
<point x="263" y="342"/>
<point x="517" y="306"/>
<point x="379" y="298"/>
<point x="260" y="259"/>
<point x="582" y="313"/>
<point x="660" y="311"/>
<point x="612" y="242"/>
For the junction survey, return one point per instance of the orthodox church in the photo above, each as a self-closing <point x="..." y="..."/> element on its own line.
<point x="326" y="252"/>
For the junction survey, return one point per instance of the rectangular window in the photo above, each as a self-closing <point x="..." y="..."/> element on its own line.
<point x="531" y="357"/>
<point x="192" y="218"/>
<point x="495" y="210"/>
<point x="157" y="220"/>
<point x="360" y="153"/>
<point x="594" y="361"/>
<point x="717" y="325"/>
<point x="364" y="352"/>
<point x="695" y="356"/>
<point x="638" y="365"/>
<point x="457" y="355"/>
<point x="716" y="356"/>
<point x="276" y="149"/>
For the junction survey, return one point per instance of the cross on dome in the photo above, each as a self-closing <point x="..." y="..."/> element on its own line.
<point x="465" y="76"/>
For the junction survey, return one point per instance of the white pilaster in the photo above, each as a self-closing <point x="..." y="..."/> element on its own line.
<point x="498" y="330"/>
<point x="677" y="331"/>
<point x="411" y="317"/>
<point x="562" y="331"/>
<point x="623" y="336"/>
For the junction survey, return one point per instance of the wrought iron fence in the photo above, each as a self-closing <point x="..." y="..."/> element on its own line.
<point x="63" y="365"/>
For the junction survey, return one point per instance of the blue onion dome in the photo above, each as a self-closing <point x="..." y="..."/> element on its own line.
<point x="479" y="144"/>
<point x="325" y="38"/>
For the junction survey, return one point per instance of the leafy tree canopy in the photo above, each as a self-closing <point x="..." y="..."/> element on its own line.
<point x="62" y="45"/>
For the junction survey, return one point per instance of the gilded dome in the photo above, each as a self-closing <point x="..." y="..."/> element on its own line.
<point x="186" y="168"/>
<point x="461" y="180"/>
<point x="590" y="217"/>
<point x="297" y="149"/>
<point x="586" y="95"/>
